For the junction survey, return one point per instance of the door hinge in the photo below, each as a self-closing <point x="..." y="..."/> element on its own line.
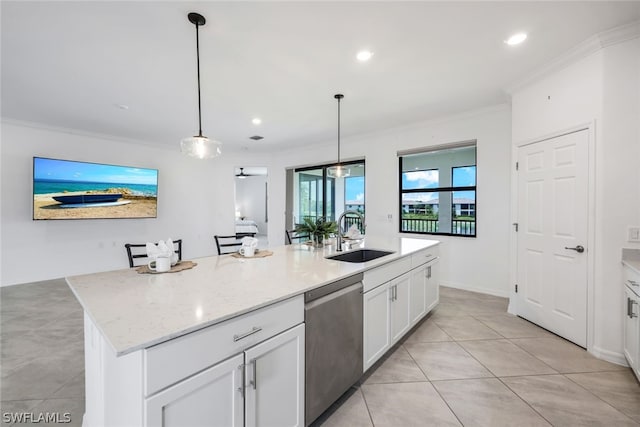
<point x="516" y="288"/>
<point x="515" y="224"/>
<point x="517" y="165"/>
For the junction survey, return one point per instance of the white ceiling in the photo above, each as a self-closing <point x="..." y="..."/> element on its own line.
<point x="69" y="64"/>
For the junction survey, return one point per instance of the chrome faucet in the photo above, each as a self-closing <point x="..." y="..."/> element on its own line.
<point x="339" y="237"/>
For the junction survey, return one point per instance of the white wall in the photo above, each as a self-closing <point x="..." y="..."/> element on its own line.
<point x="190" y="206"/>
<point x="468" y="263"/>
<point x="602" y="88"/>
<point x="251" y="199"/>
<point x="196" y="199"/>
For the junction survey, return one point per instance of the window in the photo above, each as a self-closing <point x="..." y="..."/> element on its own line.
<point x="318" y="195"/>
<point x="438" y="190"/>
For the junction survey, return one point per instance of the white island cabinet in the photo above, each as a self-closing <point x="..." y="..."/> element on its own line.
<point x="247" y="371"/>
<point x="223" y="343"/>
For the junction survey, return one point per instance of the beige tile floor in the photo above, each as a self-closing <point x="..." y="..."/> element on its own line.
<point x="469" y="363"/>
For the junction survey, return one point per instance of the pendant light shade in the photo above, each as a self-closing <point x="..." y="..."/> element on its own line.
<point x="199" y="146"/>
<point x="338" y="170"/>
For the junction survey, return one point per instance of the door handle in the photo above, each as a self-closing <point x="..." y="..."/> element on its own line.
<point x="241" y="388"/>
<point x="255" y="373"/>
<point x="630" y="304"/>
<point x="578" y="249"/>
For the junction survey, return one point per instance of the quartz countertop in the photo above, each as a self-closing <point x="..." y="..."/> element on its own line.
<point x="631" y="258"/>
<point x="135" y="311"/>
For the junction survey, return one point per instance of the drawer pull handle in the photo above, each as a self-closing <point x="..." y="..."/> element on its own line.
<point x="633" y="282"/>
<point x="254" y="330"/>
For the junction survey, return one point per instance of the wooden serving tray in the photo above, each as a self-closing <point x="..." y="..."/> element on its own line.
<point x="260" y="254"/>
<point x="182" y="265"/>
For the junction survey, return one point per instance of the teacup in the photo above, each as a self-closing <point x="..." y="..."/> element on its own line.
<point x="247" y="251"/>
<point x="160" y="265"/>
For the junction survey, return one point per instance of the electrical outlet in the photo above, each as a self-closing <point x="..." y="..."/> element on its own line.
<point x="634" y="234"/>
<point x="389" y="217"/>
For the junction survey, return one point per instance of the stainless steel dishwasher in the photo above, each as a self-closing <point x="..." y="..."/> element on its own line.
<point x="333" y="343"/>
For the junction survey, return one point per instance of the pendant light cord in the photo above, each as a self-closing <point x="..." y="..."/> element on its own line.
<point x="198" y="62"/>
<point x="338" y="130"/>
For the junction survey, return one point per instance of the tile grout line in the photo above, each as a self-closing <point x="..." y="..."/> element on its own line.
<point x="525" y="402"/>
<point x="598" y="397"/>
<point x="366" y="405"/>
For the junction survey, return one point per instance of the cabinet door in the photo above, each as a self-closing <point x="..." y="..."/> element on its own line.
<point x="210" y="398"/>
<point x="631" y="328"/>
<point x="275" y="381"/>
<point x="377" y="335"/>
<point x="433" y="285"/>
<point x="417" y="294"/>
<point x="400" y="323"/>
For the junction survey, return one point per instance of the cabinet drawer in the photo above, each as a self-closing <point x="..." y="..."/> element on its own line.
<point x="631" y="280"/>
<point x="169" y="362"/>
<point x="379" y="275"/>
<point x="425" y="256"/>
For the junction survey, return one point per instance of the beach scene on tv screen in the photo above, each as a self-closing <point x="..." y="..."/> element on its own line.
<point x="64" y="189"/>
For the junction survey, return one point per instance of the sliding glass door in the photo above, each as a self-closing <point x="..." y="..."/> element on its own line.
<point x="318" y="195"/>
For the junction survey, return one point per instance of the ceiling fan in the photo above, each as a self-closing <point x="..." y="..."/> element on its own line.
<point x="242" y="175"/>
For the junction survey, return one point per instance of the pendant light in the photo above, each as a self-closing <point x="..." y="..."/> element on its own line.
<point x="199" y="146"/>
<point x="338" y="170"/>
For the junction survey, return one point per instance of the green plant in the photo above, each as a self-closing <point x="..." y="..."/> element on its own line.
<point x="320" y="228"/>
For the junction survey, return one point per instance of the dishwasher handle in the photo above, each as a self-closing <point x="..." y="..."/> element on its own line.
<point x="332" y="296"/>
<point x="332" y="287"/>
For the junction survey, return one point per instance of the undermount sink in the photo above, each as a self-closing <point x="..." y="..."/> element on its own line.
<point x="360" y="255"/>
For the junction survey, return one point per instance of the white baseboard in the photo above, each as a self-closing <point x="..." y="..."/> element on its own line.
<point x="478" y="289"/>
<point x="609" y="356"/>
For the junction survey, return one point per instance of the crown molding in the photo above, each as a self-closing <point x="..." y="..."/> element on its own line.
<point x="70" y="131"/>
<point x="588" y="47"/>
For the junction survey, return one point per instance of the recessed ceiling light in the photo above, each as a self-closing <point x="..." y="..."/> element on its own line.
<point x="256" y="137"/>
<point x="122" y="106"/>
<point x="364" y="55"/>
<point x="516" y="39"/>
<point x="256" y="120"/>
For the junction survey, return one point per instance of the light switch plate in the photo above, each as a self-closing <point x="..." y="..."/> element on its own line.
<point x="634" y="234"/>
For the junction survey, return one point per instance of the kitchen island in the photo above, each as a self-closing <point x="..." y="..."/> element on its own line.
<point x="151" y="341"/>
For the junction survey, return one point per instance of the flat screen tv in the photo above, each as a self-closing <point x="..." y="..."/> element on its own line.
<point x="66" y="189"/>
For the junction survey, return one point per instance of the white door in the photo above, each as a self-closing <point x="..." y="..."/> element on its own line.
<point x="552" y="235"/>
<point x="376" y="324"/>
<point x="210" y="398"/>
<point x="399" y="307"/>
<point x="275" y="381"/>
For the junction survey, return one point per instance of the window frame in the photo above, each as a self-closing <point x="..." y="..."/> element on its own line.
<point x="450" y="189"/>
<point x="324" y="168"/>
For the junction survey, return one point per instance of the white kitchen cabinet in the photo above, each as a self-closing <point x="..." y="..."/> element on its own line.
<point x="274" y="388"/>
<point x="418" y="292"/>
<point x="632" y="320"/>
<point x="210" y="398"/>
<point x="432" y="284"/>
<point x="376" y="324"/>
<point x="424" y="290"/>
<point x="399" y="290"/>
<point x="264" y="385"/>
<point x="204" y="378"/>
<point x="631" y="328"/>
<point x="386" y="317"/>
<point x="397" y="296"/>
